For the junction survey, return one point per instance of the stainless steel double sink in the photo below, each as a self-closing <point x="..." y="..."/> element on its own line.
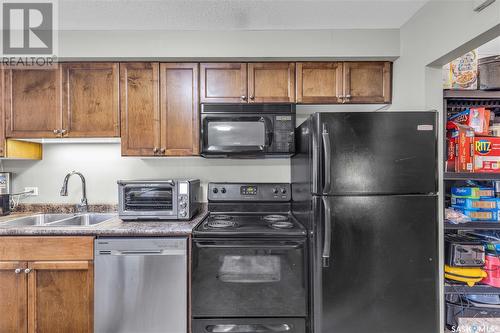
<point x="59" y="220"/>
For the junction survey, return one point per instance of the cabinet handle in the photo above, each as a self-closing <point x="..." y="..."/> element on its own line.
<point x="243" y="98"/>
<point x="156" y="150"/>
<point x="63" y="132"/>
<point x="27" y="270"/>
<point x="17" y="270"/>
<point x="348" y="98"/>
<point x="56" y="131"/>
<point x="252" y="97"/>
<point x="162" y="151"/>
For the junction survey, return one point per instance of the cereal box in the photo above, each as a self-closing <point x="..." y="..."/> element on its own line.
<point x="461" y="73"/>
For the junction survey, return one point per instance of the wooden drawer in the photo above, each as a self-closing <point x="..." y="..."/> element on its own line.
<point x="29" y="248"/>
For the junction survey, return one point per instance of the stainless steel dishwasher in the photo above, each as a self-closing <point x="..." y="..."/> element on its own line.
<point x="140" y="285"/>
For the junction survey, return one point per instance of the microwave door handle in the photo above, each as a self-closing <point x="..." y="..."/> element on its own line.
<point x="269" y="132"/>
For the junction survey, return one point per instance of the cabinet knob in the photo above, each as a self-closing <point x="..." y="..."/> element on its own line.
<point x="63" y="132"/>
<point x="17" y="270"/>
<point x="162" y="151"/>
<point x="243" y="98"/>
<point x="156" y="150"/>
<point x="27" y="270"/>
<point x="347" y="98"/>
<point x="56" y="131"/>
<point x="252" y="97"/>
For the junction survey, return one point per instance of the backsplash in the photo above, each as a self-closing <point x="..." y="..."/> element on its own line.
<point x="102" y="165"/>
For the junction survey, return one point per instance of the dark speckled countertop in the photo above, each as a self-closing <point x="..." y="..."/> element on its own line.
<point x="113" y="227"/>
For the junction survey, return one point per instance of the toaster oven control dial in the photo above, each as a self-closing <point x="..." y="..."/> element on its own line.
<point x="183" y="204"/>
<point x="183" y="213"/>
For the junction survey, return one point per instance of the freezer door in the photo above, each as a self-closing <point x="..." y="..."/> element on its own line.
<point x="382" y="274"/>
<point x="374" y="153"/>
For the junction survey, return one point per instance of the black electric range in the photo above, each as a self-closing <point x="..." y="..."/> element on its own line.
<point x="249" y="262"/>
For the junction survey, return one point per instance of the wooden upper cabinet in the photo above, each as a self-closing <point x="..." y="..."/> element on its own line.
<point x="140" y="108"/>
<point x="90" y="100"/>
<point x="13" y="297"/>
<point x="2" y="114"/>
<point x="271" y="82"/>
<point x="32" y="102"/>
<point x="60" y="296"/>
<point x="223" y="83"/>
<point x="319" y="82"/>
<point x="179" y="109"/>
<point x="367" y="82"/>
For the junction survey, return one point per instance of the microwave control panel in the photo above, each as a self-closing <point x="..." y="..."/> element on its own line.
<point x="284" y="138"/>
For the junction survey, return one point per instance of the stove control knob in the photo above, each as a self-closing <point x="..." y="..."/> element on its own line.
<point x="275" y="190"/>
<point x="223" y="190"/>
<point x="283" y="190"/>
<point x="182" y="213"/>
<point x="215" y="190"/>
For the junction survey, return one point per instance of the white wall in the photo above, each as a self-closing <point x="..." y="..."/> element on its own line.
<point x="286" y="44"/>
<point x="102" y="165"/>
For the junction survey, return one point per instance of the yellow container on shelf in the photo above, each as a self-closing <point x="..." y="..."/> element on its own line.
<point x="469" y="275"/>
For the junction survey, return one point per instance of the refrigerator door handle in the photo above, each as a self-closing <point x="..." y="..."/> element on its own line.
<point x="328" y="158"/>
<point x="327" y="243"/>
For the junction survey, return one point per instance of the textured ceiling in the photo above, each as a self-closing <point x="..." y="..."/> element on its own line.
<point x="235" y="14"/>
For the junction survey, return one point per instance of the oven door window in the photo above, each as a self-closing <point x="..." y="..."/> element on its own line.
<point x="241" y="134"/>
<point x="249" y="278"/>
<point x="148" y="198"/>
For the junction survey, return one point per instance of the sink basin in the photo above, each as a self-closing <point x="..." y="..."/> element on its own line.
<point x="59" y="220"/>
<point x="83" y="220"/>
<point x="35" y="220"/>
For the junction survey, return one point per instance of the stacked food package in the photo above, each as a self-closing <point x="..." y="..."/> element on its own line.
<point x="473" y="144"/>
<point x="478" y="203"/>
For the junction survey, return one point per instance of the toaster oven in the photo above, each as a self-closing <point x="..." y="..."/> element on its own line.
<point x="177" y="199"/>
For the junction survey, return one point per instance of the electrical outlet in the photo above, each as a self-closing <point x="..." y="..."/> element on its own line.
<point x="33" y="189"/>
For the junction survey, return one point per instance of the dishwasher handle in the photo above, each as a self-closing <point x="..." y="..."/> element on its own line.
<point x="163" y="252"/>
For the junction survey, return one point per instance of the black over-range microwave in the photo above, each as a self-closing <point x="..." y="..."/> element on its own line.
<point x="247" y="130"/>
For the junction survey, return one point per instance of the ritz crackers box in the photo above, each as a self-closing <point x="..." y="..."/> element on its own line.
<point x="487" y="154"/>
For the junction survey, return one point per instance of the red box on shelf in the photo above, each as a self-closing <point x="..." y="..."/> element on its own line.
<point x="460" y="138"/>
<point x="487" y="154"/>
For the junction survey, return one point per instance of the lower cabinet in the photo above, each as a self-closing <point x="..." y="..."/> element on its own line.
<point x="46" y="284"/>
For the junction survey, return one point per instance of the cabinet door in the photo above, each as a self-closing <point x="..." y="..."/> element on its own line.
<point x="367" y="82"/>
<point x="2" y="113"/>
<point x="90" y="103"/>
<point x="13" y="296"/>
<point x="319" y="82"/>
<point x="140" y="108"/>
<point x="271" y="82"/>
<point x="32" y="103"/>
<point x="60" y="296"/>
<point x="179" y="109"/>
<point x="223" y="83"/>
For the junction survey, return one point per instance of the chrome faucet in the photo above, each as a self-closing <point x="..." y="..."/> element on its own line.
<point x="83" y="206"/>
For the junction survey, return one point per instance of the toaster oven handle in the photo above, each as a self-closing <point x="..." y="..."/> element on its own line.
<point x="327" y="242"/>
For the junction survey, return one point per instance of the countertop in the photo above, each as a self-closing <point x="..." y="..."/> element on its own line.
<point x="114" y="227"/>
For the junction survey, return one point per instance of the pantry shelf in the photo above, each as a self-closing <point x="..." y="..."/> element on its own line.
<point x="472" y="94"/>
<point x="465" y="289"/>
<point x="493" y="225"/>
<point x="471" y="176"/>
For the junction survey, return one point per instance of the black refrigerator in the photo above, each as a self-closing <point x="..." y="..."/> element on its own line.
<point x="365" y="185"/>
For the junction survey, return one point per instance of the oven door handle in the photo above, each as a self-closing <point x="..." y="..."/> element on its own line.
<point x="250" y="328"/>
<point x="291" y="245"/>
